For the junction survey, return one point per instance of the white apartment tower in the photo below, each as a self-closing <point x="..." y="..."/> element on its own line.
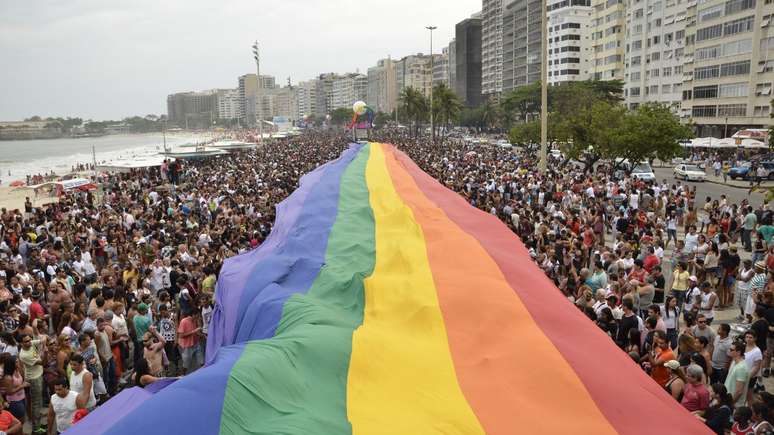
<point x="382" y="95"/>
<point x="655" y="45"/>
<point x="229" y="104"/>
<point x="491" y="47"/>
<point x="569" y="45"/>
<point x="729" y="65"/>
<point x="306" y="97"/>
<point x="606" y="31"/>
<point x="348" y="89"/>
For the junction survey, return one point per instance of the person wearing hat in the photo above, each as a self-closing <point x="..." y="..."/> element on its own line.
<point x="676" y="383"/>
<point x="692" y="294"/>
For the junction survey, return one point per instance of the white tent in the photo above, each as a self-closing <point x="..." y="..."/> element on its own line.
<point x="752" y="144"/>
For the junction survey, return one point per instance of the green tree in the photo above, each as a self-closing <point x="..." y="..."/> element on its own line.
<point x="446" y="108"/>
<point x="522" y="101"/>
<point x="525" y="133"/>
<point x="471" y="117"/>
<point x="651" y="131"/>
<point x="414" y="105"/>
<point x="341" y="116"/>
<point x="489" y="114"/>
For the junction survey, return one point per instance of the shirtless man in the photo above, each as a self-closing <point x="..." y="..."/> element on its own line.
<point x="152" y="351"/>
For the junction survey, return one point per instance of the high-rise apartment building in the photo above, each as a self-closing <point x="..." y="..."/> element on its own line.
<point x="382" y="94"/>
<point x="325" y="93"/>
<point x="306" y="99"/>
<point x="414" y="71"/>
<point x="655" y="45"/>
<point x="491" y="47"/>
<point x="522" y="42"/>
<point x="441" y="67"/>
<point x="248" y="92"/>
<point x="193" y="109"/>
<point x="347" y="89"/>
<point x="729" y="65"/>
<point x="568" y="42"/>
<point x="468" y="60"/>
<point x="606" y="31"/>
<point x="229" y="104"/>
<point x="452" y="48"/>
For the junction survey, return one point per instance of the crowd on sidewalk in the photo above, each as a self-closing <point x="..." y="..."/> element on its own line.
<point x="604" y="242"/>
<point x="97" y="294"/>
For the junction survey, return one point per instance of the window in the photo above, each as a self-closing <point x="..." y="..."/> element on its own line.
<point x="733" y="90"/>
<point x="654" y="90"/>
<point x="707" y="52"/>
<point x="666" y="72"/>
<point x="571" y="37"/>
<point x="638" y="13"/>
<point x="761" y="111"/>
<point x="735" y="68"/>
<point x="710" y="32"/>
<point x="636" y="60"/>
<point x="678" y="69"/>
<point x="762" y="89"/>
<point x="687" y="95"/>
<point x="743" y="46"/>
<point x="635" y="76"/>
<point x="704" y="111"/>
<point x="654" y="72"/>
<point x="710" y="13"/>
<point x="767" y="43"/>
<point x="732" y="110"/>
<point x="636" y="45"/>
<point x="706" y="72"/>
<point x="739" y="26"/>
<point x="666" y="89"/>
<point x="680" y="34"/>
<point x="655" y="56"/>
<point x="656" y="40"/>
<point x="634" y="92"/>
<point x="700" y="92"/>
<point x="733" y="6"/>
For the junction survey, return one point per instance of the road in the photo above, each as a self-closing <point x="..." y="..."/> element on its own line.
<point x="704" y="189"/>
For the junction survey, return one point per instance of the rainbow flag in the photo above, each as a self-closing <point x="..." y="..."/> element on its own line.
<point x="382" y="303"/>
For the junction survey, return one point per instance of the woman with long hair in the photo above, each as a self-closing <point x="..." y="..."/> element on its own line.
<point x="671" y="319"/>
<point x="12" y="386"/>
<point x="676" y="382"/>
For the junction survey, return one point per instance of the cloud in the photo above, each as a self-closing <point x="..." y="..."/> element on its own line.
<point x="107" y="60"/>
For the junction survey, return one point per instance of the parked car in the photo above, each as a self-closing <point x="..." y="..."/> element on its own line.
<point x="745" y="173"/>
<point x="643" y="171"/>
<point x="690" y="172"/>
<point x="739" y="171"/>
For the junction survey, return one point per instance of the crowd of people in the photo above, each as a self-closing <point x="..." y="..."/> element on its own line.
<point x="102" y="291"/>
<point x="605" y="242"/>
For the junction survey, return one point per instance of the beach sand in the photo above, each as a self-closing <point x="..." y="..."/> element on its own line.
<point x="13" y="198"/>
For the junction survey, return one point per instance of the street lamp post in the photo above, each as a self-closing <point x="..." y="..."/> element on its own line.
<point x="725" y="135"/>
<point x="258" y="103"/>
<point x="432" y="72"/>
<point x="543" y="90"/>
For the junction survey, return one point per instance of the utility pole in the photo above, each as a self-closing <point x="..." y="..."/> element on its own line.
<point x="258" y="102"/>
<point x="432" y="67"/>
<point x="543" y="90"/>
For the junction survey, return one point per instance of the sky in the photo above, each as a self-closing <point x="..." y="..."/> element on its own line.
<point x="103" y="60"/>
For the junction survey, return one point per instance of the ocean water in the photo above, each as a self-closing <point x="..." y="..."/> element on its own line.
<point x="18" y="158"/>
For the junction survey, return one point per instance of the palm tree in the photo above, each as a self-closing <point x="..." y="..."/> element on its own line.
<point x="415" y="105"/>
<point x="446" y="107"/>
<point x="488" y="114"/>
